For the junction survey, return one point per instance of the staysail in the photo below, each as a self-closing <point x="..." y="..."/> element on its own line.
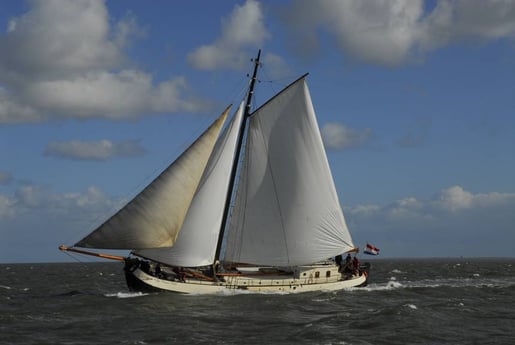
<point x="287" y="210"/>
<point x="197" y="241"/>
<point x="154" y="217"/>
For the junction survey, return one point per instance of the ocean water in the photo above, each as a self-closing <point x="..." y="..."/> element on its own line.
<point x="408" y="301"/>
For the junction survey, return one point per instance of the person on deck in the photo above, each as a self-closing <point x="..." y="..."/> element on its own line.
<point x="179" y="272"/>
<point x="355" y="265"/>
<point x="348" y="259"/>
<point x="338" y="260"/>
<point x="158" y="271"/>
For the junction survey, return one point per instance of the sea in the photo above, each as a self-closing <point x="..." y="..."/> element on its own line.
<point x="407" y="301"/>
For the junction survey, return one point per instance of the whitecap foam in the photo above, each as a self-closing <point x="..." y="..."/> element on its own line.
<point x="411" y="306"/>
<point x="391" y="285"/>
<point x="126" y="294"/>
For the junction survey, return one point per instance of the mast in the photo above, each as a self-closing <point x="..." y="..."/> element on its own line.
<point x="236" y="159"/>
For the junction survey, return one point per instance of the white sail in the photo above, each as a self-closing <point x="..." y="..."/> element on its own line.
<point x="197" y="241"/>
<point x="287" y="211"/>
<point x="154" y="217"/>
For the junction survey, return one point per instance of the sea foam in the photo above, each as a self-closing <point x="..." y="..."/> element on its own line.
<point x="126" y="294"/>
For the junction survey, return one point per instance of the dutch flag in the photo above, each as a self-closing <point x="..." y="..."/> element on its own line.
<point x="371" y="250"/>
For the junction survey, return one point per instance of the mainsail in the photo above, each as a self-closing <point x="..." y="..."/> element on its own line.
<point x="197" y="241"/>
<point x="154" y="217"/>
<point x="287" y="211"/>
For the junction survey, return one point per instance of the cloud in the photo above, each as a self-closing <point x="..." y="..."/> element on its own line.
<point x="393" y="32"/>
<point x="94" y="150"/>
<point x="339" y="137"/>
<point x="35" y="220"/>
<point x="461" y="20"/>
<point x="7" y="209"/>
<point x="63" y="59"/>
<point x="29" y="198"/>
<point x="453" y="221"/>
<point x="126" y="94"/>
<point x="5" y="178"/>
<point x="377" y="32"/>
<point x="57" y="38"/>
<point x="244" y="28"/>
<point x="275" y="66"/>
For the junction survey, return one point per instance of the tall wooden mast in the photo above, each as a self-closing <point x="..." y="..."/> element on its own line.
<point x="237" y="157"/>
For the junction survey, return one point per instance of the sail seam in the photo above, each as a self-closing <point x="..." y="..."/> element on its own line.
<point x="269" y="167"/>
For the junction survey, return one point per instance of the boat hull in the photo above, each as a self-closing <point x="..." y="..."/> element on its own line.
<point x="303" y="279"/>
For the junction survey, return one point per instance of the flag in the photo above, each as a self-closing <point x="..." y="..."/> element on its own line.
<point x="371" y="250"/>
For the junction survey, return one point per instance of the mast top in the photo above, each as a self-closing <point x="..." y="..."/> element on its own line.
<point x="252" y="83"/>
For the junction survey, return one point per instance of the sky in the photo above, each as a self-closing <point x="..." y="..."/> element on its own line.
<point x="415" y="101"/>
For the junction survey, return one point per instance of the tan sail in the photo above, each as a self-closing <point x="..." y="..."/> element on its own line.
<point x="154" y="217"/>
<point x="196" y="244"/>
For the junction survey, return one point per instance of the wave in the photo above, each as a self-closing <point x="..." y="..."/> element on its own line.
<point x="126" y="294"/>
<point x="390" y="285"/>
<point x="475" y="282"/>
<point x="70" y="293"/>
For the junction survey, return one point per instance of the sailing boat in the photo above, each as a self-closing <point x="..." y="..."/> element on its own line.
<point x="248" y="206"/>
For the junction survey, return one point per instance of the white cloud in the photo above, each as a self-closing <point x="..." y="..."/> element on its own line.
<point x="454" y="198"/>
<point x="339" y="137"/>
<point x="56" y="38"/>
<point x="29" y="198"/>
<point x="62" y="59"/>
<point x="94" y="150"/>
<point x="35" y="220"/>
<point x="454" y="221"/>
<point x="459" y="20"/>
<point x="244" y="28"/>
<point x="449" y="202"/>
<point x="7" y="209"/>
<point x="275" y="66"/>
<point x="373" y="31"/>
<point x="389" y="32"/>
<point x="126" y="94"/>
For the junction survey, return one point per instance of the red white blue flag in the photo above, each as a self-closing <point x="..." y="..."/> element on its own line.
<point x="371" y="250"/>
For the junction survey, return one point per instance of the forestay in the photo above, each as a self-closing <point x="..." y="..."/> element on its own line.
<point x="287" y="211"/>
